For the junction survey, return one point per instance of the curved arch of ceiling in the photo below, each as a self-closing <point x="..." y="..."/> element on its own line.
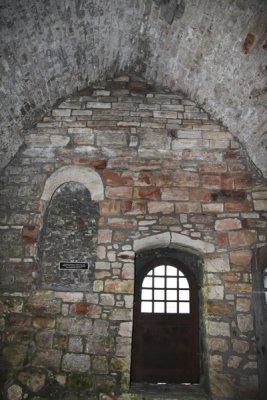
<point x="214" y="51"/>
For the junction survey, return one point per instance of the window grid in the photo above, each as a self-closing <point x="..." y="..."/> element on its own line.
<point x="165" y="289"/>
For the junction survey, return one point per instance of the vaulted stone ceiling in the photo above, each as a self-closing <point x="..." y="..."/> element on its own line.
<point x="215" y="51"/>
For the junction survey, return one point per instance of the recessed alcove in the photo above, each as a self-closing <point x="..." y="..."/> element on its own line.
<point x="69" y="237"/>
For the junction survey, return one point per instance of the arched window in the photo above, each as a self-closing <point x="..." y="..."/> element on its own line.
<point x="165" y="289"/>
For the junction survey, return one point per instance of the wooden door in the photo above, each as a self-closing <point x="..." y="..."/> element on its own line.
<point x="166" y="327"/>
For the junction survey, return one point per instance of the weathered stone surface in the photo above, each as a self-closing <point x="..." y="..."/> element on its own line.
<point x="218" y="344"/>
<point x="14" y="392"/>
<point x="222" y="385"/>
<point x="227" y="224"/>
<point x="242" y="238"/>
<point x="15" y="355"/>
<point x="245" y="323"/>
<point x="76" y="362"/>
<point x="33" y="379"/>
<point x="48" y="359"/>
<point x="241" y="257"/>
<point x="218" y="328"/>
<point x="240" y="346"/>
<point x="217" y="263"/>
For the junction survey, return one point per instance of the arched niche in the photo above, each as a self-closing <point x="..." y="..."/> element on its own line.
<point x="69" y="233"/>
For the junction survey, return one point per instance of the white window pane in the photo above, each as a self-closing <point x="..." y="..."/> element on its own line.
<point x="171" y="294"/>
<point x="146" y="306"/>
<point x="150" y="272"/>
<point x="171" y="271"/>
<point x="146" y="294"/>
<point x="171" y="283"/>
<point x="171" y="308"/>
<point x="159" y="283"/>
<point x="160" y="270"/>
<point x="180" y="273"/>
<point x="147" y="282"/>
<point x="159" y="307"/>
<point x="183" y="283"/>
<point x="183" y="294"/>
<point x="184" y="308"/>
<point x="159" y="294"/>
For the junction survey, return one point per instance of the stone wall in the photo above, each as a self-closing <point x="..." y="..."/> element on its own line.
<point x="163" y="174"/>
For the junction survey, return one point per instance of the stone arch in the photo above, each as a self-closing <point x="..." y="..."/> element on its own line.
<point x="86" y="176"/>
<point x="204" y="257"/>
<point x="171" y="239"/>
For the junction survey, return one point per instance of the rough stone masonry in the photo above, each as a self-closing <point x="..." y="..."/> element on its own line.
<point x="139" y="167"/>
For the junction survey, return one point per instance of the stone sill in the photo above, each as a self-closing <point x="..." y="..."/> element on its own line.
<point x="169" y="391"/>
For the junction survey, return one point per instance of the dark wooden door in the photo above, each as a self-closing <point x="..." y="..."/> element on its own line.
<point x="166" y="327"/>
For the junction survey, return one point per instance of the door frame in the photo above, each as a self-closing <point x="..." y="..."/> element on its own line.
<point x="192" y="266"/>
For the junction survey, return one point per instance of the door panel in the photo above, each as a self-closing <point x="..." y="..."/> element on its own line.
<point x="165" y="345"/>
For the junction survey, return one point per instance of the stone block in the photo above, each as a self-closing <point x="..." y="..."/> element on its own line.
<point x="218" y="344"/>
<point x="14" y="355"/>
<point x="14" y="392"/>
<point x="44" y="338"/>
<point x="122" y="223"/>
<point x="177" y="194"/>
<point x="75" y="344"/>
<point x="98" y="105"/>
<point x="69" y="297"/>
<point x="104" y="236"/>
<point x="118" y="286"/>
<point x="218" y="328"/>
<point x="76" y="362"/>
<point x="107" y="299"/>
<point x="88" y="310"/>
<point x="240" y="346"/>
<point x="121" y="314"/>
<point x="187" y="207"/>
<point x="49" y="306"/>
<point x="216" y="362"/>
<point x="222" y="385"/>
<point x="43" y="322"/>
<point x="111" y="138"/>
<point x="165" y="114"/>
<point x="33" y="379"/>
<point x="242" y="238"/>
<point x="126" y="329"/>
<point x="260" y="205"/>
<point x="217" y="263"/>
<point x="227" y="224"/>
<point x="243" y="304"/>
<point x="163" y="207"/>
<point x="48" y="359"/>
<point x="245" y="323"/>
<point x="150" y="193"/>
<point x="241" y="257"/>
<point x="61" y="112"/>
<point x="212" y="208"/>
<point x="119" y="192"/>
<point x="216" y="292"/>
<point x="99" y="365"/>
<point x="59" y="140"/>
<point x="234" y="361"/>
<point x="181" y="144"/>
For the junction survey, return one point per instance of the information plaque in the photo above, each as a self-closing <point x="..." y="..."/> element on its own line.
<point x="73" y="265"/>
